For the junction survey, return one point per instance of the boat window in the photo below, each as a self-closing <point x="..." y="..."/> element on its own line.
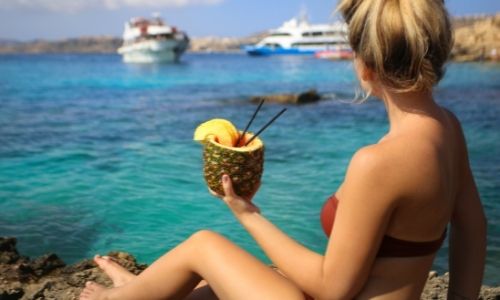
<point x="313" y="33"/>
<point x="272" y="45"/>
<point x="330" y="33"/>
<point x="280" y="34"/>
<point x="315" y="44"/>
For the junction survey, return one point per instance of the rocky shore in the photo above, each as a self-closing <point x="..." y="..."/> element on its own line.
<point x="48" y="277"/>
<point x="477" y="38"/>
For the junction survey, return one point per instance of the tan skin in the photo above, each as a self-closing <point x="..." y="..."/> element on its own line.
<point x="409" y="185"/>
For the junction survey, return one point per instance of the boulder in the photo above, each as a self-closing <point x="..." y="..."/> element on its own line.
<point x="310" y="96"/>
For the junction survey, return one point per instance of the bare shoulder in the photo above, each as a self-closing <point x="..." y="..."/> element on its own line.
<point x="369" y="160"/>
<point x="455" y="123"/>
<point x="371" y="170"/>
<point x="452" y="116"/>
<point x="460" y="146"/>
<point x="382" y="158"/>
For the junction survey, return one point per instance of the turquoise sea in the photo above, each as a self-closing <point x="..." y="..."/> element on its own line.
<point x="97" y="155"/>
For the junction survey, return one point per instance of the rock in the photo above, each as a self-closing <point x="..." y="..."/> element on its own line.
<point x="11" y="291"/>
<point x="47" y="277"/>
<point x="39" y="293"/>
<point x="8" y="251"/>
<point x="127" y="261"/>
<point x="45" y="264"/>
<point x="490" y="293"/>
<point x="432" y="274"/>
<point x="79" y="266"/>
<point x="437" y="288"/>
<point x="302" y="98"/>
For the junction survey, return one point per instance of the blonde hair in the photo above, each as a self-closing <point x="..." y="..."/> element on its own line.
<point x="405" y="42"/>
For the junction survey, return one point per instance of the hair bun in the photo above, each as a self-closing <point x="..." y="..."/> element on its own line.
<point x="405" y="42"/>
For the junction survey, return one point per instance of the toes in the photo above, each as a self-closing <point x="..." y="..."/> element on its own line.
<point x="92" y="286"/>
<point x="87" y="291"/>
<point x="90" y="291"/>
<point x="85" y="294"/>
<point x="97" y="258"/>
<point x="102" y="261"/>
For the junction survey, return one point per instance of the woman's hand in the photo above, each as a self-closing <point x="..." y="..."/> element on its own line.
<point x="237" y="204"/>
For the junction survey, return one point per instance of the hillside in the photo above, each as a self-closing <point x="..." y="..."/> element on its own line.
<point x="477" y="38"/>
<point x="100" y="44"/>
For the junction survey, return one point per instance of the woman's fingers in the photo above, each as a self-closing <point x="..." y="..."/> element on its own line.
<point x="235" y="202"/>
<point x="227" y="185"/>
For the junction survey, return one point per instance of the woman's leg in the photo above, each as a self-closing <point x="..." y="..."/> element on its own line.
<point x="231" y="272"/>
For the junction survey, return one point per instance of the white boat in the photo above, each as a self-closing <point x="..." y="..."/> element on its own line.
<point x="152" y="41"/>
<point x="298" y="36"/>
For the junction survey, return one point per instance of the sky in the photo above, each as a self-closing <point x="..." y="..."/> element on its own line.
<point x="58" y="19"/>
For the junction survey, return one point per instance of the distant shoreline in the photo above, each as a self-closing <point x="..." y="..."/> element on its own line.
<point x="477" y="38"/>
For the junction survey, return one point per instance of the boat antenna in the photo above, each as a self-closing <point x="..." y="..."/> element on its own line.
<point x="303" y="15"/>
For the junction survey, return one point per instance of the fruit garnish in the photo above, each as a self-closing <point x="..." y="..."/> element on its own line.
<point x="224" y="132"/>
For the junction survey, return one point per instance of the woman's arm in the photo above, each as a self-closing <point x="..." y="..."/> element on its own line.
<point x="468" y="231"/>
<point x="362" y="216"/>
<point x="467" y="242"/>
<point x="298" y="263"/>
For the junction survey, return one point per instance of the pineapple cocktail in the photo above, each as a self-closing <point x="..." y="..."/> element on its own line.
<point x="224" y="152"/>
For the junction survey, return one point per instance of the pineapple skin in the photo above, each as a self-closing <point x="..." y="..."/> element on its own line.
<point x="244" y="167"/>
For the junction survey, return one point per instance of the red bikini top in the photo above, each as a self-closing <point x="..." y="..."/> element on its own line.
<point x="390" y="246"/>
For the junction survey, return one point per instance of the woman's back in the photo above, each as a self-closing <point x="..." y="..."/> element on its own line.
<point x="424" y="157"/>
<point x="424" y="167"/>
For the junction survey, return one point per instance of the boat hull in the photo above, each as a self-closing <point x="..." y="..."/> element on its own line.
<point x="266" y="51"/>
<point x="298" y="37"/>
<point x="153" y="51"/>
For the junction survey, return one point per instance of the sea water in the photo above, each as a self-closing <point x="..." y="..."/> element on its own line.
<point x="97" y="155"/>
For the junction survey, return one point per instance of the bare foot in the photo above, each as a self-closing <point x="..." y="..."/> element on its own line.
<point x="118" y="274"/>
<point x="92" y="291"/>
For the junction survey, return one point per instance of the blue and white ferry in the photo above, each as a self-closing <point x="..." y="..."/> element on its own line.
<point x="298" y="36"/>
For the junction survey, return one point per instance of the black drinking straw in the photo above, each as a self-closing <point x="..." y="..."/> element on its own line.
<point x="265" y="126"/>
<point x="250" y="122"/>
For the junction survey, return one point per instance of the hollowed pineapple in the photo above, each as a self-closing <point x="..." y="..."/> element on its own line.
<point x="243" y="164"/>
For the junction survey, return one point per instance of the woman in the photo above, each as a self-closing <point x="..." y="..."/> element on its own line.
<point x="392" y="209"/>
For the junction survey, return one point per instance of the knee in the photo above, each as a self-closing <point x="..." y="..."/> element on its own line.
<point x="205" y="237"/>
<point x="206" y="242"/>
